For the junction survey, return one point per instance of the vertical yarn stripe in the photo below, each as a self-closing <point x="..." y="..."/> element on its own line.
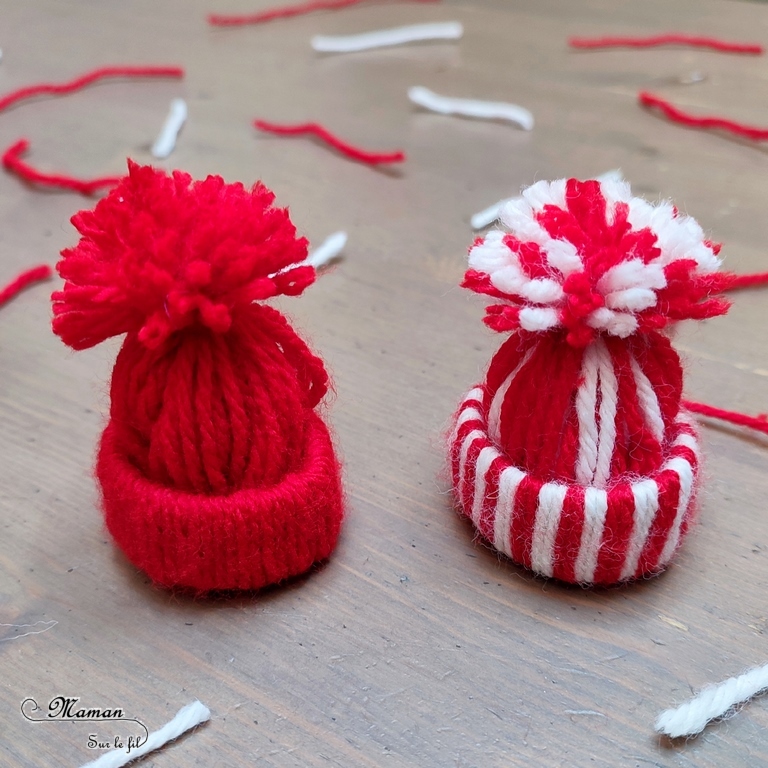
<point x="548" y="512"/>
<point x="609" y="389"/>
<point x="595" y="509"/>
<point x="685" y="472"/>
<point x="469" y="418"/>
<point x="484" y="461"/>
<point x="586" y="409"/>
<point x="464" y="471"/>
<point x="457" y="444"/>
<point x="526" y="504"/>
<point x="503" y="522"/>
<point x="494" y="412"/>
<point x="569" y="534"/>
<point x="668" y="483"/>
<point x="616" y="534"/>
<point x="646" y="495"/>
<point x="649" y="402"/>
<point x="487" y="514"/>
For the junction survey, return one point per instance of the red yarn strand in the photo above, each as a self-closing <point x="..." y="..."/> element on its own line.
<point x="104" y="73"/>
<point x="270" y="14"/>
<point x="692" y="121"/>
<point x="24" y="280"/>
<point x="747" y="281"/>
<point x="593" y="43"/>
<point x="12" y="162"/>
<point x="759" y="423"/>
<point x="314" y="129"/>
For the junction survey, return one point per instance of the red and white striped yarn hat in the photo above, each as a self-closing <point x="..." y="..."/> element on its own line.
<point x="574" y="456"/>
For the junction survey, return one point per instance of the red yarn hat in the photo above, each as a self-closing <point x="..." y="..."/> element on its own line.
<point x="216" y="471"/>
<point x="574" y="456"/>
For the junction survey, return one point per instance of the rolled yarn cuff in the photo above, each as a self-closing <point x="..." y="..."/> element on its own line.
<point x="245" y="540"/>
<point x="575" y="533"/>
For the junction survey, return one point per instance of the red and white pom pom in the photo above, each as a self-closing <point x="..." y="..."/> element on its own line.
<point x="574" y="455"/>
<point x="590" y="258"/>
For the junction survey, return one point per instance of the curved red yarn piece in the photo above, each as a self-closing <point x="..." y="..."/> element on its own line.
<point x="12" y="156"/>
<point x="314" y="129"/>
<point x="12" y="162"/>
<point x="24" y="280"/>
<point x="695" y="41"/>
<point x="759" y="423"/>
<point x="103" y="73"/>
<point x="270" y="14"/>
<point x="677" y="115"/>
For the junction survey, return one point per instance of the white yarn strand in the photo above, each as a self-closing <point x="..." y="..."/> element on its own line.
<point x="382" y="38"/>
<point x="609" y="400"/>
<point x="487" y="216"/>
<point x="487" y="456"/>
<point x="494" y="412"/>
<point x="187" y="717"/>
<point x="503" y="521"/>
<point x="484" y="110"/>
<point x="586" y="410"/>
<point x="712" y="702"/>
<point x="546" y="525"/>
<point x="166" y="141"/>
<point x="327" y="251"/>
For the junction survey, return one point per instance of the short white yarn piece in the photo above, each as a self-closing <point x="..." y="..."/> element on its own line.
<point x="712" y="702"/>
<point x="382" y="38"/>
<point x="166" y="141"/>
<point x="187" y="717"/>
<point x="487" y="216"/>
<point x="327" y="251"/>
<point x="484" y="110"/>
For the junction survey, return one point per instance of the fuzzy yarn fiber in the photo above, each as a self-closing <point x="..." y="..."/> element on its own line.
<point x="215" y="469"/>
<point x="574" y="456"/>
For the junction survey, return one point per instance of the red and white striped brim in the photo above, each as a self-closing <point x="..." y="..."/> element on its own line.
<point x="575" y="533"/>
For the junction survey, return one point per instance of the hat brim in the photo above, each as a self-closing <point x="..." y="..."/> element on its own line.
<point x="575" y="533"/>
<point x="245" y="540"/>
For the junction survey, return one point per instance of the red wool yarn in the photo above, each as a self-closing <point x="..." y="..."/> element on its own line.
<point x="575" y="455"/>
<point x="284" y="12"/>
<point x="12" y="162"/>
<point x="694" y="41"/>
<point x="215" y="469"/>
<point x="677" y="115"/>
<point x="314" y="129"/>
<point x="24" y="280"/>
<point x="83" y="81"/>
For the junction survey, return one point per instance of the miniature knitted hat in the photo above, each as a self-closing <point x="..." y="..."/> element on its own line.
<point x="574" y="456"/>
<point x="216" y="472"/>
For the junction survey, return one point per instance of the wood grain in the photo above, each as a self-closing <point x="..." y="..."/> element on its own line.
<point x="414" y="645"/>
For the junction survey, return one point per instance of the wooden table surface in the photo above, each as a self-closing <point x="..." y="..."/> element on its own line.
<point x="415" y="645"/>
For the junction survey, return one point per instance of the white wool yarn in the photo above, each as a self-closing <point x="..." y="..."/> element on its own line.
<point x="166" y="141"/>
<point x="712" y="702"/>
<point x="186" y="718"/>
<point x="381" y="38"/>
<point x="485" y="110"/>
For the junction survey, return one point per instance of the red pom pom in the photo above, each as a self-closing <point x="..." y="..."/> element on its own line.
<point x="163" y="252"/>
